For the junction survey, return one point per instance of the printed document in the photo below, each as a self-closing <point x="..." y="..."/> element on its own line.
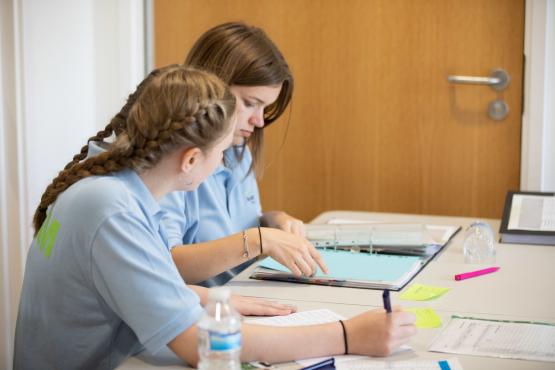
<point x="532" y="212"/>
<point x="502" y="339"/>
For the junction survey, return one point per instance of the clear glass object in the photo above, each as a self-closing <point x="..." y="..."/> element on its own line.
<point x="479" y="243"/>
<point x="219" y="333"/>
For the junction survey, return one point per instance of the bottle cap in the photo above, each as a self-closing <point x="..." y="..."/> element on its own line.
<point x="219" y="293"/>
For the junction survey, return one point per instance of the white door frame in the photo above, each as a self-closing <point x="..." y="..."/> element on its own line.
<point x="537" y="167"/>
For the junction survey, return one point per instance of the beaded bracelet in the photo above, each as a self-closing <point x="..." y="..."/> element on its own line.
<point x="245" y="244"/>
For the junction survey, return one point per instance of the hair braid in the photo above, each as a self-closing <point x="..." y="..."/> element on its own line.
<point x="101" y="164"/>
<point x="174" y="107"/>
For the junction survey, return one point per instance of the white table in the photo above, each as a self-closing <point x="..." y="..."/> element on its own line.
<point x="524" y="288"/>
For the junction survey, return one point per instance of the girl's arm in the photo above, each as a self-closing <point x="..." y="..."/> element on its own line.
<point x="249" y="306"/>
<point x="374" y="333"/>
<point x="198" y="262"/>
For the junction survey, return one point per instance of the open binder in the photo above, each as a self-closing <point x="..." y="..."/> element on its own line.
<point x="393" y="238"/>
<point x="356" y="270"/>
<point x="390" y="254"/>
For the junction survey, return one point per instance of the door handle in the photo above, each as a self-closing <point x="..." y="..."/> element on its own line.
<point x="498" y="80"/>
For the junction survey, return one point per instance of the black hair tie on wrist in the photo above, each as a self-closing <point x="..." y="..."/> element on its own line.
<point x="344" y="337"/>
<point x="260" y="235"/>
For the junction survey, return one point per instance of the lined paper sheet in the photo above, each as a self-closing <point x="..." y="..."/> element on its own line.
<point x="312" y="317"/>
<point x="514" y="340"/>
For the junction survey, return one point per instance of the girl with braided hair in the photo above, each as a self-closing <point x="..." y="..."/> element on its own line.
<point x="217" y="230"/>
<point x="100" y="284"/>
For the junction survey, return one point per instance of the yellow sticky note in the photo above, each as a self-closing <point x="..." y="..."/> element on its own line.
<point x="420" y="292"/>
<point x="426" y="318"/>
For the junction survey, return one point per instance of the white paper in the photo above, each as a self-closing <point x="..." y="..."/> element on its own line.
<point x="347" y="358"/>
<point x="526" y="341"/>
<point x="368" y="364"/>
<point x="532" y="212"/>
<point x="402" y="233"/>
<point x="312" y="317"/>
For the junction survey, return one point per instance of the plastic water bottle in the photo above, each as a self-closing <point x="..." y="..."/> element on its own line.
<point x="479" y="243"/>
<point x="219" y="333"/>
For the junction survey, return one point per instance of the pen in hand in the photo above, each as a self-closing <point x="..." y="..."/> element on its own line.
<point x="386" y="301"/>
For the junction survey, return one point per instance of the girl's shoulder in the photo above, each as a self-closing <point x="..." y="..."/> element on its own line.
<point x="98" y="194"/>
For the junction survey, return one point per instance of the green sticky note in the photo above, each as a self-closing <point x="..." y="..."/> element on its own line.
<point x="420" y="292"/>
<point x="426" y="318"/>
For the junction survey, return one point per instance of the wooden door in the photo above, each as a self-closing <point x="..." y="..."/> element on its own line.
<point x="374" y="124"/>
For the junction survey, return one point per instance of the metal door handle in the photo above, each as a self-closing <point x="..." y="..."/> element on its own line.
<point x="498" y="80"/>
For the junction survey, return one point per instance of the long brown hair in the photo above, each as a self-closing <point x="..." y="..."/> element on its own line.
<point x="174" y="107"/>
<point x="244" y="55"/>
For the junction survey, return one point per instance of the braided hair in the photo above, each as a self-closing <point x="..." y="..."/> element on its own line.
<point x="174" y="107"/>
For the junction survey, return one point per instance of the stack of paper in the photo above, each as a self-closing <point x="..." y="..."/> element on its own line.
<point x="403" y="238"/>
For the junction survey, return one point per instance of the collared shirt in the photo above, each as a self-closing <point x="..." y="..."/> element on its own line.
<point x="100" y="284"/>
<point x="227" y="202"/>
<point x="229" y="199"/>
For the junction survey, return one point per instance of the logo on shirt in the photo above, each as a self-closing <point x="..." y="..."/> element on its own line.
<point x="250" y="198"/>
<point x="47" y="234"/>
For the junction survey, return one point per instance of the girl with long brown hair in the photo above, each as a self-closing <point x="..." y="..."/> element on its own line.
<point x="228" y="202"/>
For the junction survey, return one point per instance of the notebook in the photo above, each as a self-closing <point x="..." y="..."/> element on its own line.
<point x="528" y="218"/>
<point x="358" y="270"/>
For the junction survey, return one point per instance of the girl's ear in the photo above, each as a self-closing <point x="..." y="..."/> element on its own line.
<point x="190" y="158"/>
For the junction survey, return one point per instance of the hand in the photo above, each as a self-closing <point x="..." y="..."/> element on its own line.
<point x="377" y="333"/>
<point x="250" y="306"/>
<point x="294" y="252"/>
<point x="283" y="221"/>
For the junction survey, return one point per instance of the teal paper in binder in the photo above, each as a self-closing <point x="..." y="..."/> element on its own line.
<point x="351" y="269"/>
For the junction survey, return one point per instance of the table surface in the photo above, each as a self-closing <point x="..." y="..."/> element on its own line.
<point x="524" y="288"/>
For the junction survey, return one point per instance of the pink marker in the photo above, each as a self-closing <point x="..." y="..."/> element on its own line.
<point x="468" y="275"/>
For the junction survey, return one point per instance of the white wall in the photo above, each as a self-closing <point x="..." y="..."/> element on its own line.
<point x="548" y="179"/>
<point x="538" y="120"/>
<point x="66" y="68"/>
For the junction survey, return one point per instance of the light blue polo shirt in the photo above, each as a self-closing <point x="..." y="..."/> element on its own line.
<point x="100" y="284"/>
<point x="227" y="202"/>
<point x="229" y="199"/>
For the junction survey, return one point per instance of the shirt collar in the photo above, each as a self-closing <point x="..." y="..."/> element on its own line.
<point x="230" y="159"/>
<point x="138" y="188"/>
